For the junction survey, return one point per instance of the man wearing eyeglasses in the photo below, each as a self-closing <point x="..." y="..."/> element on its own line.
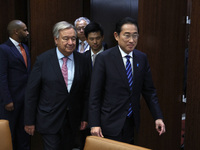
<point x="81" y="44"/>
<point x="120" y="75"/>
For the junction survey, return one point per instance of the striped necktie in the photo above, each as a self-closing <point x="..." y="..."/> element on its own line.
<point x="130" y="81"/>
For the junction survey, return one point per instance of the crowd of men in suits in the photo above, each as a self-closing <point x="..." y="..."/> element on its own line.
<point x="77" y="88"/>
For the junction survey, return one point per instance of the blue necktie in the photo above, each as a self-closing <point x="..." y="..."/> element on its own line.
<point x="130" y="81"/>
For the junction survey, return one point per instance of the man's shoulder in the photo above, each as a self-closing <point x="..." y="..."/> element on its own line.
<point x="48" y="52"/>
<point x="79" y="56"/>
<point x="6" y="44"/>
<point x="110" y="50"/>
<point x="139" y="53"/>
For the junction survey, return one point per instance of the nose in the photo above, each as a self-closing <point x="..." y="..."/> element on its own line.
<point x="70" y="41"/>
<point x="131" y="39"/>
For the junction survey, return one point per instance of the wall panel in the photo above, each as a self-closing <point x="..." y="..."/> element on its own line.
<point x="10" y="10"/>
<point x="193" y="85"/>
<point x="43" y="15"/>
<point x="162" y="38"/>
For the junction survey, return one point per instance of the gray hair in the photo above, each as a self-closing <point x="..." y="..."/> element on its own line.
<point x="61" y="26"/>
<point x="81" y="18"/>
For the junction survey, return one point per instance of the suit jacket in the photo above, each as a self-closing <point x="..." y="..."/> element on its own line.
<point x="47" y="99"/>
<point x="110" y="94"/>
<point x="88" y="57"/>
<point x="13" y="73"/>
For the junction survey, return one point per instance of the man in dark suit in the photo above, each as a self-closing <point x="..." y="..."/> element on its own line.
<point x="117" y="82"/>
<point x="81" y="43"/>
<point x="15" y="67"/>
<point x="94" y="36"/>
<point x="57" y="92"/>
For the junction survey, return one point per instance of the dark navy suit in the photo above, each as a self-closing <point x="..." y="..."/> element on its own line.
<point x="48" y="103"/>
<point x="110" y="94"/>
<point x="13" y="80"/>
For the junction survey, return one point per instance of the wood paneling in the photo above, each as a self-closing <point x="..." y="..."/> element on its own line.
<point x="193" y="85"/>
<point x="108" y="12"/>
<point x="162" y="38"/>
<point x="10" y="10"/>
<point x="43" y="15"/>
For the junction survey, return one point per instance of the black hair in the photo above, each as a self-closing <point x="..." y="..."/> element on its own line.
<point x="126" y="20"/>
<point x="93" y="27"/>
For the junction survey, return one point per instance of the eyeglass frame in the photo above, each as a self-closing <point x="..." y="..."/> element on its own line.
<point x="79" y="28"/>
<point x="128" y="36"/>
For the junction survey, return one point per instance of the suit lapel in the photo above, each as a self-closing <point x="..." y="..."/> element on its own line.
<point x="136" y="65"/>
<point x="15" y="51"/>
<point x="55" y="64"/>
<point x="76" y="71"/>
<point x="117" y="59"/>
<point x="28" y="57"/>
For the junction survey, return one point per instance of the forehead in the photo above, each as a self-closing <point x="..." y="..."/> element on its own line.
<point x="67" y="32"/>
<point x="81" y="23"/>
<point x="129" y="28"/>
<point x="22" y="26"/>
<point x="94" y="34"/>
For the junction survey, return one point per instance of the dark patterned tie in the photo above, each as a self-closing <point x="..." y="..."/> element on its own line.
<point x="130" y="81"/>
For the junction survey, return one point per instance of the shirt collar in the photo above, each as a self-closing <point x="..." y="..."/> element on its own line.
<point x="60" y="55"/>
<point x="124" y="54"/>
<point x="83" y="41"/>
<point x="14" y="42"/>
<point x="98" y="51"/>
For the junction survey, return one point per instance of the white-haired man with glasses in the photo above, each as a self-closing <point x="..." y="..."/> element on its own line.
<point x="80" y="24"/>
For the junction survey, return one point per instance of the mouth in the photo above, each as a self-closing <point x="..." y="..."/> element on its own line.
<point x="95" y="46"/>
<point x="70" y="48"/>
<point x="131" y="45"/>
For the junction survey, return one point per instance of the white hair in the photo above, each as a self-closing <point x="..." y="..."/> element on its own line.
<point x="82" y="18"/>
<point x="61" y="26"/>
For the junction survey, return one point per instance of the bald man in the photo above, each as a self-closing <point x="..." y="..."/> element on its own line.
<point x="15" y="68"/>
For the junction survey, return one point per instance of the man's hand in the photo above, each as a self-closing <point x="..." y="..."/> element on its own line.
<point x="9" y="107"/>
<point x="96" y="131"/>
<point x="83" y="125"/>
<point x="160" y="126"/>
<point x="30" y="129"/>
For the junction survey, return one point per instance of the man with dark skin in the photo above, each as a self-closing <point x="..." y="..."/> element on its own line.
<point x="15" y="67"/>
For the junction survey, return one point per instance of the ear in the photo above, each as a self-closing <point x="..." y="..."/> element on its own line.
<point x="116" y="36"/>
<point x="102" y="37"/>
<point x="86" y="40"/>
<point x="55" y="40"/>
<point x="16" y="31"/>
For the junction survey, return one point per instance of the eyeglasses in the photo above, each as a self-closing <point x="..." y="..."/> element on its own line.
<point x="79" y="28"/>
<point x="128" y="36"/>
